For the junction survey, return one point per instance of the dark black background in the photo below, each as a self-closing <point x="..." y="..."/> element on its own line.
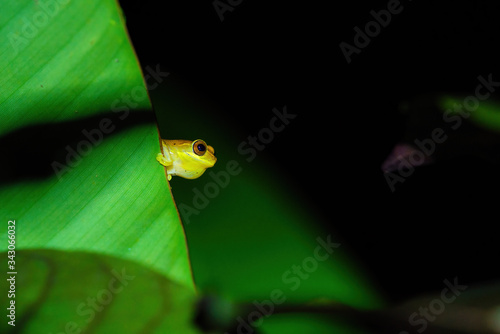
<point x="441" y="222"/>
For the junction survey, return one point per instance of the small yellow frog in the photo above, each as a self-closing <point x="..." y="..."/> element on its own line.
<point x="186" y="158"/>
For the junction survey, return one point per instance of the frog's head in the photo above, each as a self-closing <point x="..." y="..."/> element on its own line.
<point x="194" y="158"/>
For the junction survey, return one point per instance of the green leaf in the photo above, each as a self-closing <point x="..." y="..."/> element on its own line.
<point x="485" y="113"/>
<point x="93" y="294"/>
<point x="61" y="61"/>
<point x="79" y="141"/>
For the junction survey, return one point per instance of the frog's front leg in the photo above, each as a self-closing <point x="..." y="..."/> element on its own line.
<point x="164" y="161"/>
<point x="164" y="157"/>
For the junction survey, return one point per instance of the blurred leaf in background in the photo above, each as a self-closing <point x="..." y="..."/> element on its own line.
<point x="73" y="292"/>
<point x="252" y="237"/>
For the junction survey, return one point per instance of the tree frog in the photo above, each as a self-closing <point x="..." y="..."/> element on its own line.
<point x="186" y="158"/>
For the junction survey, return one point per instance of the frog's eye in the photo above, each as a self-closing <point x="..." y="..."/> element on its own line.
<point x="199" y="147"/>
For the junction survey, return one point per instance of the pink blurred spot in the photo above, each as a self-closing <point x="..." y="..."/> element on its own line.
<point x="407" y="154"/>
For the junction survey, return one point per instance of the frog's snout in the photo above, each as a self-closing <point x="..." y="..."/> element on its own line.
<point x="211" y="150"/>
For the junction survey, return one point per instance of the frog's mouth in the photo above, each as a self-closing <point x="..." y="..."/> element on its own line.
<point x="210" y="159"/>
<point x="211" y="162"/>
<point x="206" y="161"/>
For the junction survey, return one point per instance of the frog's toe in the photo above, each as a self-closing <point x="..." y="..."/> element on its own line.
<point x="161" y="159"/>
